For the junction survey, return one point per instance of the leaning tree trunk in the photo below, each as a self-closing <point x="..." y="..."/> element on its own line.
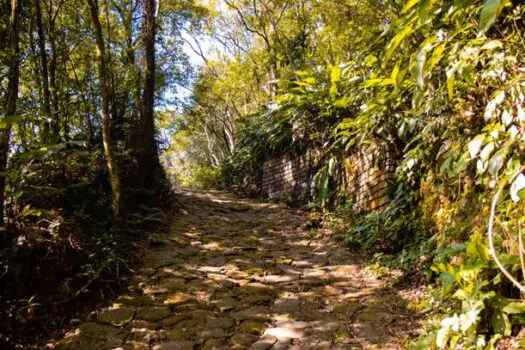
<point x="11" y="96"/>
<point x="108" y="149"/>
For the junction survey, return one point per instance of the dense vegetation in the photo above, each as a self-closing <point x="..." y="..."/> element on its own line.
<point x="437" y="85"/>
<point x="82" y="85"/>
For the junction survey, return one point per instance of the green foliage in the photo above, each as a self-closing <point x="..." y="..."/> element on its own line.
<point x="441" y="91"/>
<point x="390" y="229"/>
<point x="477" y="315"/>
<point x="204" y="178"/>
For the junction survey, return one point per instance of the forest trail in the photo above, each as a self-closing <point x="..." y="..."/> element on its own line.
<point x="238" y="274"/>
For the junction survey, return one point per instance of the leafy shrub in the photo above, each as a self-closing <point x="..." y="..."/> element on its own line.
<point x="398" y="225"/>
<point x="477" y="313"/>
<point x="204" y="178"/>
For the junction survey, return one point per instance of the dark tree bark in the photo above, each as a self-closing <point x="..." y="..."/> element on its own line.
<point x="55" y="123"/>
<point x="106" y="138"/>
<point x="149" y="164"/>
<point x="11" y="96"/>
<point x="53" y="66"/>
<point x="46" y="105"/>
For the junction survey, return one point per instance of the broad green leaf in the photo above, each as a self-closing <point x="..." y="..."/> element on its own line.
<point x="475" y="145"/>
<point x="490" y="109"/>
<point x="481" y="166"/>
<point x="450" y="84"/>
<point x="493" y="44"/>
<point x="335" y="74"/>
<point x="487" y="151"/>
<point x="521" y="113"/>
<point x="460" y="294"/>
<point x="305" y="82"/>
<point x="395" y="72"/>
<point x="460" y="164"/>
<point x="453" y="250"/>
<point x="370" y="60"/>
<point x="459" y="4"/>
<point x="476" y="248"/>
<point x="506" y="118"/>
<point x="517" y="185"/>
<point x="447" y="279"/>
<point x="396" y="41"/>
<point x="445" y="166"/>
<point x="437" y="54"/>
<point x="409" y="5"/>
<point x="323" y="191"/>
<point x="342" y="102"/>
<point x="424" y="7"/>
<point x="496" y="162"/>
<point x="331" y="166"/>
<point x="513" y="167"/>
<point x="490" y="12"/>
<point x="493" y="341"/>
<point x="420" y="61"/>
<point x="378" y="82"/>
<point x="372" y="82"/>
<point x="387" y="82"/>
<point x="500" y="323"/>
<point x="514" y="308"/>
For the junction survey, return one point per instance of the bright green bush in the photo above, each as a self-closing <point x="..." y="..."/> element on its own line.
<point x="204" y="178"/>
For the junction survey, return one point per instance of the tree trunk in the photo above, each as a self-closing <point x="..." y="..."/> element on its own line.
<point x="11" y="96"/>
<point x="55" y="123"/>
<point x="108" y="150"/>
<point x="149" y="162"/>
<point x="46" y="105"/>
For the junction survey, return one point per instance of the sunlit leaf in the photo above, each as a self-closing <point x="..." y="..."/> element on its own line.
<point x="395" y="72"/>
<point x="420" y="62"/>
<point x="477" y="248"/>
<point x="517" y="185"/>
<point x="409" y="5"/>
<point x="514" y="308"/>
<point x="506" y="118"/>
<point x="397" y="40"/>
<point x="335" y="74"/>
<point x="475" y="145"/>
<point x="450" y="83"/>
<point x="493" y="44"/>
<point x="487" y="150"/>
<point x="496" y="162"/>
<point x="436" y="56"/>
<point x="9" y="120"/>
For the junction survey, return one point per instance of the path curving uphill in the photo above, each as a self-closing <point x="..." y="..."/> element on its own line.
<point x="238" y="274"/>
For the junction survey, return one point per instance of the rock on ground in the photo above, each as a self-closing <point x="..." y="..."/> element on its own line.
<point x="238" y="274"/>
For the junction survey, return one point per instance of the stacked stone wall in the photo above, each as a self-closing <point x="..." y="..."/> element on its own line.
<point x="288" y="177"/>
<point x="366" y="184"/>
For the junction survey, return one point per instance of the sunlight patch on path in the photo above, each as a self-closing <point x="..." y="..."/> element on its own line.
<point x="236" y="274"/>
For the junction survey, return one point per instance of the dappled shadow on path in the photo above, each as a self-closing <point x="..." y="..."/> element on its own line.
<point x="240" y="274"/>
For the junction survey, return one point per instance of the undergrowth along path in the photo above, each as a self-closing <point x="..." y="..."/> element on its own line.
<point x="239" y="274"/>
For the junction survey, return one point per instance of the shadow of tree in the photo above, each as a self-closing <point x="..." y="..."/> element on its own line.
<point x="234" y="273"/>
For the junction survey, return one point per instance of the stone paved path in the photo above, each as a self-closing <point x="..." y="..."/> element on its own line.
<point x="236" y="274"/>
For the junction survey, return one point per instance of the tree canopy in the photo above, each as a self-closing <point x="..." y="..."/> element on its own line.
<point x="97" y="127"/>
<point x="435" y="85"/>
